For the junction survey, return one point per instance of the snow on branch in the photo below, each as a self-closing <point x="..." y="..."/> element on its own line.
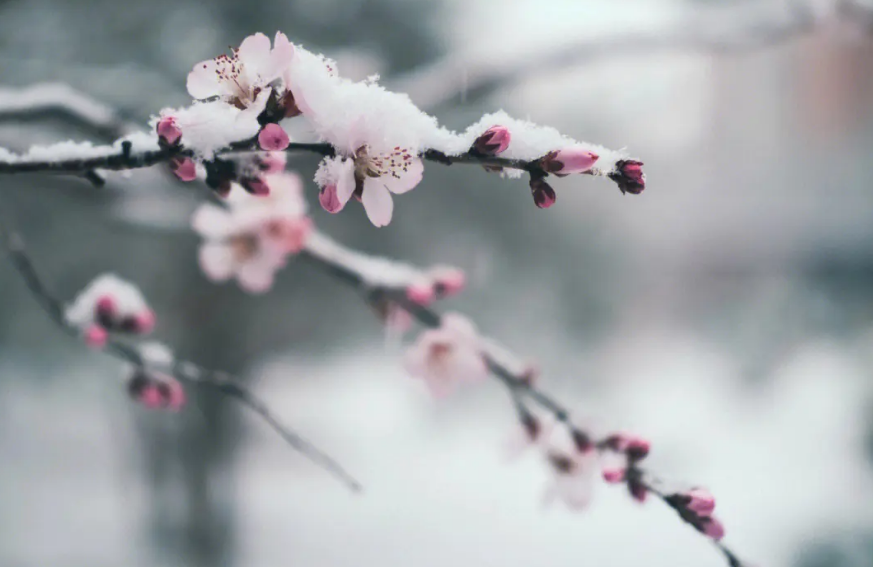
<point x="373" y="144"/>
<point x="374" y="141"/>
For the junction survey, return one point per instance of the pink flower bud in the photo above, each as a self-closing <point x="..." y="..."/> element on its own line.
<point x="329" y="200"/>
<point x="273" y="138"/>
<point x="184" y="168"/>
<point x="712" y="528"/>
<point x="613" y="475"/>
<point x="449" y="281"/>
<point x="421" y="293"/>
<point x="156" y="391"/>
<point x="543" y="194"/>
<point x="494" y="141"/>
<point x="629" y="176"/>
<point x="168" y="132"/>
<point x="104" y="310"/>
<point x="255" y="185"/>
<point x="568" y="160"/>
<point x="150" y="397"/>
<point x="637" y="448"/>
<point x="701" y="502"/>
<point x="96" y="336"/>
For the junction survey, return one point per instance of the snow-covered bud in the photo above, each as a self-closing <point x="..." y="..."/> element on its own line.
<point x="184" y="168"/>
<point x="495" y="140"/>
<point x="111" y="304"/>
<point x="156" y="390"/>
<point x="273" y="138"/>
<point x="168" y="132"/>
<point x="543" y="194"/>
<point x="568" y="160"/>
<point x="421" y="293"/>
<point x="629" y="176"/>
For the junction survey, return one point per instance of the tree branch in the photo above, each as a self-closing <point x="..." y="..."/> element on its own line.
<point x="184" y="371"/>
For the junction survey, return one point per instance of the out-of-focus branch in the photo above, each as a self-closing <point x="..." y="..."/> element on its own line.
<point x="720" y="29"/>
<point x="346" y="266"/>
<point x="184" y="371"/>
<point x="39" y="101"/>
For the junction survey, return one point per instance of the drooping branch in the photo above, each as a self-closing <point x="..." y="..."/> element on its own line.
<point x="184" y="371"/>
<point x="354" y="269"/>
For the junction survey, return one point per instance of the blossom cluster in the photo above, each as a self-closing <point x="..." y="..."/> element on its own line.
<point x="251" y="237"/>
<point x="377" y="138"/>
<point x="110" y="305"/>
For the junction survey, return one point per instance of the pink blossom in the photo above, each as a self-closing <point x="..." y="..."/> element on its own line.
<point x="568" y="160"/>
<point x="573" y="466"/>
<point x="447" y="356"/>
<point x="184" y="168"/>
<point x="371" y="177"/>
<point x="252" y="239"/>
<point x="495" y="140"/>
<point x="273" y="138"/>
<point x="168" y="132"/>
<point x="239" y="78"/>
<point x="543" y="194"/>
<point x="96" y="336"/>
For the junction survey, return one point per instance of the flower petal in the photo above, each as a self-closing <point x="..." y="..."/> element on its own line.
<point x="377" y="201"/>
<point x="216" y="261"/>
<point x="408" y="176"/>
<point x="254" y="53"/>
<point x="203" y="81"/>
<point x="255" y="276"/>
<point x="212" y="221"/>
<point x="345" y="183"/>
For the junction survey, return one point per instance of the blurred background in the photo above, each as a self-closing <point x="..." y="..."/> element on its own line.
<point x="726" y="313"/>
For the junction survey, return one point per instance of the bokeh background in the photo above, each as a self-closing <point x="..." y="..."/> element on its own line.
<point x="727" y="312"/>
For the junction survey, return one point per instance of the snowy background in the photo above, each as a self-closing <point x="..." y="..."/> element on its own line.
<point x="727" y="312"/>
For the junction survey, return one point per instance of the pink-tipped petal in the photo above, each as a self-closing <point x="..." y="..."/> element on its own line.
<point x="493" y="141"/>
<point x="96" y="336"/>
<point x="329" y="200"/>
<point x="184" y="168"/>
<point x="273" y="138"/>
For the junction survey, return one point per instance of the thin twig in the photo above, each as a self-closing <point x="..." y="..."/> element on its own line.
<point x="183" y="371"/>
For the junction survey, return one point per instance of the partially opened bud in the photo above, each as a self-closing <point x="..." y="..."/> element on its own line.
<point x="568" y="160"/>
<point x="712" y="527"/>
<point x="629" y="176"/>
<point x="184" y="168"/>
<point x="543" y="194"/>
<point x="156" y="390"/>
<point x="448" y="280"/>
<point x="168" y="132"/>
<point x="273" y="138"/>
<point x="637" y="448"/>
<point x="613" y="475"/>
<point x="700" y="501"/>
<point x="329" y="200"/>
<point x="495" y="140"/>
